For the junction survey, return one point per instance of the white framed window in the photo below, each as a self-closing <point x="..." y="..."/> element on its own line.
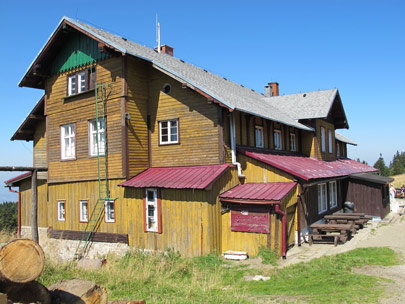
<point x="333" y="194"/>
<point x="97" y="136"/>
<point x="293" y="145"/>
<point x="259" y="137"/>
<point x="169" y="131"/>
<point x="84" y="211"/>
<point x="330" y="141"/>
<point x="67" y="139"/>
<point x="61" y="211"/>
<point x="322" y="198"/>
<point x="323" y="140"/>
<point x="81" y="81"/>
<point x="109" y="211"/>
<point x="337" y="150"/>
<point x="152" y="210"/>
<point x="277" y="140"/>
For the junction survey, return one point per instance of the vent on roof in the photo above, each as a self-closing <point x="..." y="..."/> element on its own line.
<point x="205" y="70"/>
<point x="125" y="39"/>
<point x="182" y="60"/>
<point x="224" y="78"/>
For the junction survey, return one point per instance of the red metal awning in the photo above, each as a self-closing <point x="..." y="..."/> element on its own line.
<point x="192" y="177"/>
<point x="307" y="168"/>
<point x="13" y="182"/>
<point x="258" y="193"/>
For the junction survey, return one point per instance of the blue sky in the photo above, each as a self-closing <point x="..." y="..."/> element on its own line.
<point x="355" y="46"/>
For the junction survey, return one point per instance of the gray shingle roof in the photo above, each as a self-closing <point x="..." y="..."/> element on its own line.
<point x="230" y="94"/>
<point x="306" y="105"/>
<point x="344" y="139"/>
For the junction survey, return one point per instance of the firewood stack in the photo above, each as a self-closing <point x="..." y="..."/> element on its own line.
<point x="21" y="262"/>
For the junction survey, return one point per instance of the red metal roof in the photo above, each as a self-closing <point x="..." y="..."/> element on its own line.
<point x="259" y="191"/>
<point x="18" y="178"/>
<point x="192" y="177"/>
<point x="306" y="167"/>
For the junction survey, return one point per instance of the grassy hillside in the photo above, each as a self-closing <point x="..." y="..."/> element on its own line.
<point x="399" y="180"/>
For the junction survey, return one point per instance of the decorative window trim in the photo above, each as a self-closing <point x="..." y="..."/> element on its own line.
<point x="322" y="198"/>
<point x="83" y="218"/>
<point x="259" y="137"/>
<point x="170" y="131"/>
<point x="156" y="204"/>
<point x="323" y="140"/>
<point x="64" y="155"/>
<point x="278" y="143"/>
<point x="107" y="211"/>
<point x="167" y="88"/>
<point x="333" y="194"/>
<point x="330" y="141"/>
<point x="293" y="143"/>
<point x="101" y="137"/>
<point x="81" y="81"/>
<point x="61" y="210"/>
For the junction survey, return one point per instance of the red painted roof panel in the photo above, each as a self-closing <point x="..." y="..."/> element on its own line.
<point x="192" y="177"/>
<point x="306" y="167"/>
<point x="259" y="191"/>
<point x="18" y="178"/>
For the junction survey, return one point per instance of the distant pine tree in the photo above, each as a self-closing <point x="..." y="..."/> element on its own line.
<point x="8" y="216"/>
<point x="380" y="165"/>
<point x="397" y="166"/>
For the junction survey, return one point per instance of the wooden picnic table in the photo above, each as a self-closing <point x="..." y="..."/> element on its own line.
<point x="339" y="232"/>
<point x="341" y="219"/>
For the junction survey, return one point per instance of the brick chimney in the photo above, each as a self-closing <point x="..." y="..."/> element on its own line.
<point x="166" y="49"/>
<point x="274" y="88"/>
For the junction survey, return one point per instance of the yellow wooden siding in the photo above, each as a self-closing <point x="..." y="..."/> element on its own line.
<point x="328" y="126"/>
<point x="72" y="193"/>
<point x="198" y="125"/>
<point x="259" y="172"/>
<point x="40" y="152"/>
<point x="137" y="106"/>
<point x="307" y="144"/>
<point x="42" y="199"/>
<point x="79" y="110"/>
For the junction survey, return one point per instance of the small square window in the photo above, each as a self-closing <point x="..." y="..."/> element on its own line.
<point x="109" y="211"/>
<point x="61" y="211"/>
<point x="84" y="214"/>
<point x="169" y="131"/>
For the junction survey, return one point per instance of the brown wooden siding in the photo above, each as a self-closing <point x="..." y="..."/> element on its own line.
<point x="368" y="198"/>
<point x="198" y="125"/>
<point x="80" y="109"/>
<point x="137" y="106"/>
<point x="40" y="148"/>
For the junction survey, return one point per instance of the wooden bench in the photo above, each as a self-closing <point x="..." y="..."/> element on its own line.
<point x="339" y="232"/>
<point x="362" y="215"/>
<point x="343" y="219"/>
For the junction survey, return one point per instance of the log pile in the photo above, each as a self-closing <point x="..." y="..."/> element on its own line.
<point x="22" y="261"/>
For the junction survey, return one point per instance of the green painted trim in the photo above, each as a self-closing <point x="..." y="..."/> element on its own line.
<point x="78" y="51"/>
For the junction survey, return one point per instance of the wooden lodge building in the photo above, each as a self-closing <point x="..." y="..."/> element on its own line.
<point x="177" y="157"/>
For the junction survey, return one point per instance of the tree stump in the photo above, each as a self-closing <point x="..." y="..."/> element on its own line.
<point x="77" y="291"/>
<point x="31" y="292"/>
<point x="21" y="261"/>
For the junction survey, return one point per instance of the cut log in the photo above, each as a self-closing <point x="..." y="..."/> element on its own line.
<point x="31" y="292"/>
<point x="21" y="261"/>
<point x="77" y="291"/>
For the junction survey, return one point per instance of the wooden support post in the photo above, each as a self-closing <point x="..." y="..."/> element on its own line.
<point x="34" y="207"/>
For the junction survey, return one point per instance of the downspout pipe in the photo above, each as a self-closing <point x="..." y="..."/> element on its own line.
<point x="18" y="212"/>
<point x="233" y="145"/>
<point x="284" y="241"/>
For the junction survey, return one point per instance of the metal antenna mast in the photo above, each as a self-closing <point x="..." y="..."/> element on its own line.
<point x="158" y="33"/>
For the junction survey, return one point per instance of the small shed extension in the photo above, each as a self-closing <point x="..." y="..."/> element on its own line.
<point x="256" y="215"/>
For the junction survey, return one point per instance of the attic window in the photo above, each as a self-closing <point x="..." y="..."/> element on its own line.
<point x="81" y="81"/>
<point x="167" y="88"/>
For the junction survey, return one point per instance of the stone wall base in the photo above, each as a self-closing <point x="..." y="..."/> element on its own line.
<point x="64" y="250"/>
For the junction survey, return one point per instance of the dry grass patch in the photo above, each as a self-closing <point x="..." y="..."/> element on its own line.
<point x="399" y="180"/>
